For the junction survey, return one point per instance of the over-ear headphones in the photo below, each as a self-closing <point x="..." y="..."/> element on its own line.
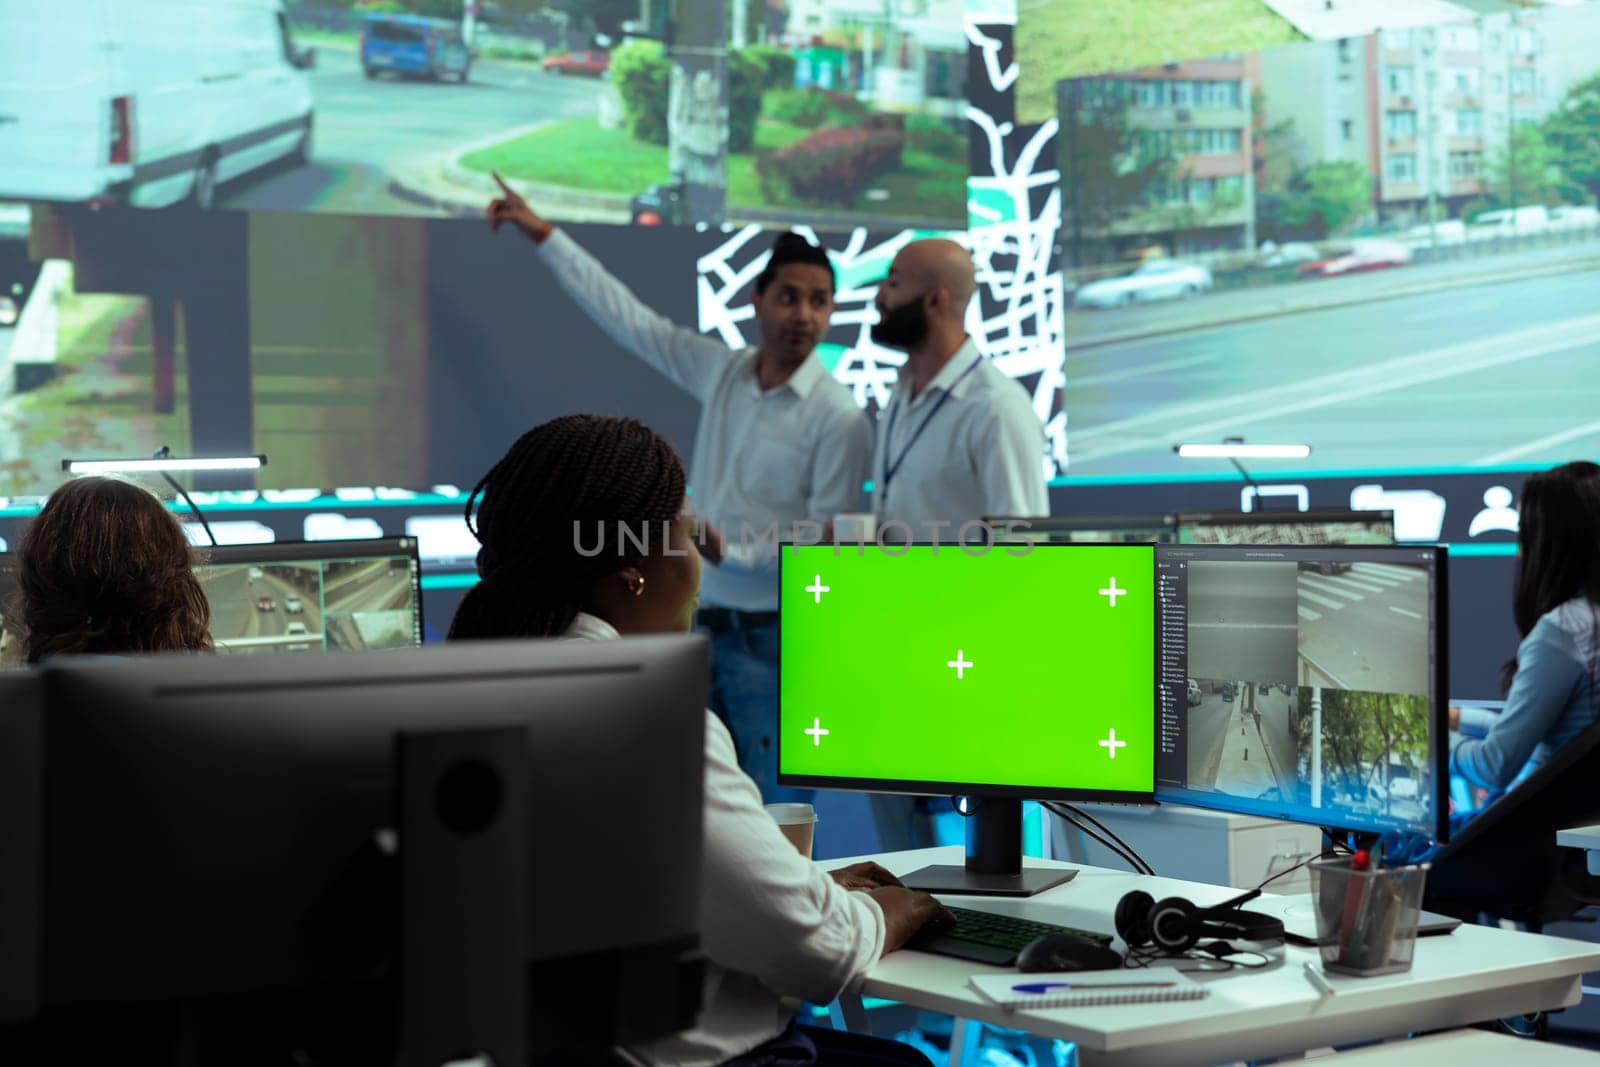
<point x="1175" y="925"/>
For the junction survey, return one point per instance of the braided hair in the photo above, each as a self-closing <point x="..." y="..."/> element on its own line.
<point x="105" y="568"/>
<point x="556" y="485"/>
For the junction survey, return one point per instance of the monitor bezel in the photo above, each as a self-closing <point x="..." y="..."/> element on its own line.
<point x="1166" y="522"/>
<point x="918" y="787"/>
<point x="1439" y="711"/>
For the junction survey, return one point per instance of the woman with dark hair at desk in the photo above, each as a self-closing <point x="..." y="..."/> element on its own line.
<point x="105" y="568"/>
<point x="1553" y="684"/>
<point x="774" y="925"/>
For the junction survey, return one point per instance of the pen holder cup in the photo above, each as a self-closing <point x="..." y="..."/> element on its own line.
<point x="1366" y="920"/>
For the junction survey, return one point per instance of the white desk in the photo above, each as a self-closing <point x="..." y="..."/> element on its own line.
<point x="1586" y="838"/>
<point x="1474" y="974"/>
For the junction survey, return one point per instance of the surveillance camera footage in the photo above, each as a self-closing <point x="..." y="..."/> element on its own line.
<point x="1300" y="683"/>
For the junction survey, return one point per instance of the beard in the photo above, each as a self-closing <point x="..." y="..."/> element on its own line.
<point x="902" y="327"/>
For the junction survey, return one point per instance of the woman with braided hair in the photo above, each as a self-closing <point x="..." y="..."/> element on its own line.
<point x="552" y="521"/>
<point x="585" y="535"/>
<point x="105" y="568"/>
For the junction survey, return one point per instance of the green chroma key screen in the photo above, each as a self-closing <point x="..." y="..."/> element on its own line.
<point x="1027" y="669"/>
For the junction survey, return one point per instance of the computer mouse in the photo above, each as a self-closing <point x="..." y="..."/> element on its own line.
<point x="1063" y="952"/>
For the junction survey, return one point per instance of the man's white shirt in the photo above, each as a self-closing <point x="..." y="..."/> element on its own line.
<point x="762" y="461"/>
<point x="968" y="447"/>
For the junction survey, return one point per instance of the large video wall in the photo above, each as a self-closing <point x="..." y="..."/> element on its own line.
<point x="1371" y="229"/>
<point x="1282" y="225"/>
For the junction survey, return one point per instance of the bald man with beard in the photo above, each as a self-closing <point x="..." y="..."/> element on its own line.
<point x="958" y="442"/>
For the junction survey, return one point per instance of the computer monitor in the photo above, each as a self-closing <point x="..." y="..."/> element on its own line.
<point x="1328" y="526"/>
<point x="292" y="596"/>
<point x="303" y="596"/>
<point x="1304" y="683"/>
<point x="221" y="832"/>
<point x="1002" y="672"/>
<point x="1086" y="529"/>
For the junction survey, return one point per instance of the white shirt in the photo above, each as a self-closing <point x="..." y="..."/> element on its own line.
<point x="979" y="452"/>
<point x="762" y="460"/>
<point x="772" y="923"/>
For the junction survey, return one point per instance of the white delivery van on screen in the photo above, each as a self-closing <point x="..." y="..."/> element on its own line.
<point x="147" y="102"/>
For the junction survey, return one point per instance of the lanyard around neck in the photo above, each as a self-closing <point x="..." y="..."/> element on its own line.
<point x="894" y="409"/>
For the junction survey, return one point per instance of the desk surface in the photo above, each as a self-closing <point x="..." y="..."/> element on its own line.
<point x="1474" y="974"/>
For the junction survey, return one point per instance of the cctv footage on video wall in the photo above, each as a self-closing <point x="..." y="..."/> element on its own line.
<point x="1301" y="241"/>
<point x="409" y="107"/>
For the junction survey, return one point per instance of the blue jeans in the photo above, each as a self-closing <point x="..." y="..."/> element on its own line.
<point x="744" y="695"/>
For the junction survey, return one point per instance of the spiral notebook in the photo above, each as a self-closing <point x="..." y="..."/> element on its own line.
<point x="1080" y="989"/>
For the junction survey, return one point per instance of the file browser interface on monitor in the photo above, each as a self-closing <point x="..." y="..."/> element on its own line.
<point x="1010" y="670"/>
<point x="1303" y="683"/>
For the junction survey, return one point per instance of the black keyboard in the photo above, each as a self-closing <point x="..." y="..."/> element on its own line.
<point x="984" y="937"/>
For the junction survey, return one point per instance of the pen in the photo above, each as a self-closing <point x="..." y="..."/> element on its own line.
<point x="1039" y="987"/>
<point x="1316" y="979"/>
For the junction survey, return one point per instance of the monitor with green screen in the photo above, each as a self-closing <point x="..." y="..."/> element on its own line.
<point x="1023" y="670"/>
<point x="998" y="672"/>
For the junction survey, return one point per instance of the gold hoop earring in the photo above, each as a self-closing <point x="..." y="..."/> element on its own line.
<point x="638" y="590"/>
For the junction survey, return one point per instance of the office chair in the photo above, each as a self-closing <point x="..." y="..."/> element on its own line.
<point x="1505" y="862"/>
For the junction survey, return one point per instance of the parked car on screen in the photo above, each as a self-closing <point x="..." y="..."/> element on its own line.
<point x="1510" y="222"/>
<point x="1575" y="217"/>
<point x="147" y="102"/>
<point x="591" y="62"/>
<point x="1361" y="256"/>
<point x="1227" y="692"/>
<point x="1155" y="279"/>
<point x="414" y="44"/>
<point x="1289" y="254"/>
<point x="1195" y="696"/>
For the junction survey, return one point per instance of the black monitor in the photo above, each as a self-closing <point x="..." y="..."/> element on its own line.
<point x="251" y="844"/>
<point x="1305" y="683"/>
<point x="1086" y="529"/>
<point x="1325" y="526"/>
<point x="996" y="672"/>
<point x="304" y="596"/>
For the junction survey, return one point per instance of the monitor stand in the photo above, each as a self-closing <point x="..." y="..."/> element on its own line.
<point x="994" y="858"/>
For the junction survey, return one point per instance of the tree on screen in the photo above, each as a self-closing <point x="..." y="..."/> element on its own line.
<point x="1531" y="170"/>
<point x="1572" y="131"/>
<point x="1364" y="735"/>
<point x="1109" y="173"/>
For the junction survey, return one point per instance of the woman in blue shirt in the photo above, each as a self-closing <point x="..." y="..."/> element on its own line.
<point x="1553" y="684"/>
